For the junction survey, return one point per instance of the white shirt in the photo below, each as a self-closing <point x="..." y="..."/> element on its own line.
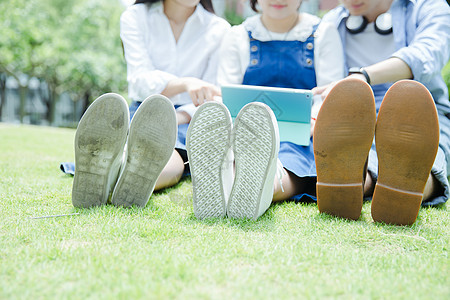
<point x="328" y="53"/>
<point x="154" y="57"/>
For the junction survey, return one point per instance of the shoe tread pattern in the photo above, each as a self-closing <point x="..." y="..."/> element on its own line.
<point x="99" y="144"/>
<point x="150" y="145"/>
<point x="253" y="138"/>
<point x="343" y="135"/>
<point x="207" y="144"/>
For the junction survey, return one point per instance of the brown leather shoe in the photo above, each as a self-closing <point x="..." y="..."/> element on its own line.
<point x="343" y="136"/>
<point x="407" y="140"/>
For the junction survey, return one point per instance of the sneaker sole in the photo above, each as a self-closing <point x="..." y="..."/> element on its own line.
<point x="343" y="136"/>
<point x="151" y="141"/>
<point x="207" y="143"/>
<point x="99" y="145"/>
<point x="407" y="140"/>
<point x="254" y="145"/>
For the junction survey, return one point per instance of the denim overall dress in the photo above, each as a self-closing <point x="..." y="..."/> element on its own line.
<point x="287" y="64"/>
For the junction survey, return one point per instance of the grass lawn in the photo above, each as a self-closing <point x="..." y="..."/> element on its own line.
<point x="162" y="251"/>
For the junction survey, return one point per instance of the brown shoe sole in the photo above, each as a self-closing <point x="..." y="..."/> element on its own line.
<point x="343" y="136"/>
<point x="407" y="140"/>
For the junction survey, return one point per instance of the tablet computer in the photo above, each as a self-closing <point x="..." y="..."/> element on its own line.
<point x="292" y="108"/>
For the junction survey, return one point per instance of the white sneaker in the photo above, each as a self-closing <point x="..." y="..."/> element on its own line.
<point x="256" y="143"/>
<point x="99" y="145"/>
<point x="210" y="159"/>
<point x="151" y="142"/>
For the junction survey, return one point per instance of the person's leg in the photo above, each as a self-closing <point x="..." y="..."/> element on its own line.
<point x="432" y="188"/>
<point x="296" y="173"/>
<point x="290" y="186"/>
<point x="369" y="185"/>
<point x="172" y="172"/>
<point x="183" y="117"/>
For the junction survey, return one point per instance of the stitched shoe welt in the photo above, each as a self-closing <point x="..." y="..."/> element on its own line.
<point x="343" y="135"/>
<point x="151" y="142"/>
<point x="99" y="146"/>
<point x="208" y="145"/>
<point x="407" y="140"/>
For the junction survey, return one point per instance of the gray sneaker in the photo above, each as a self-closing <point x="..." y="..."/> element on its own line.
<point x="210" y="159"/>
<point x="99" y="145"/>
<point x="256" y="143"/>
<point x="151" y="142"/>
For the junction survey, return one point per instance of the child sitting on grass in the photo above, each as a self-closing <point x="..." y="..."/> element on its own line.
<point x="281" y="48"/>
<point x="170" y="47"/>
<point x="386" y="41"/>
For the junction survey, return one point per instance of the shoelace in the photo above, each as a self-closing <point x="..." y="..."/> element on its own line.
<point x="280" y="172"/>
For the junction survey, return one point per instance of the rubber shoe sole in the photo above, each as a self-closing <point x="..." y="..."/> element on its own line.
<point x="256" y="142"/>
<point x="151" y="141"/>
<point x="407" y="140"/>
<point x="99" y="145"/>
<point x="343" y="135"/>
<point x="207" y="143"/>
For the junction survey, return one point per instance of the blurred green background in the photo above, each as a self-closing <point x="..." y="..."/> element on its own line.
<point x="60" y="51"/>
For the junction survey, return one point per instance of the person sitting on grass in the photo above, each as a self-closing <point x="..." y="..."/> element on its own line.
<point x="170" y="48"/>
<point x="386" y="41"/>
<point x="281" y="48"/>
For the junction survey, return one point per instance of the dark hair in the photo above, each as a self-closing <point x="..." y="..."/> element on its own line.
<point x="207" y="4"/>
<point x="252" y="5"/>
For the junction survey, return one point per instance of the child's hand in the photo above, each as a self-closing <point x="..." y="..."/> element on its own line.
<point x="323" y="90"/>
<point x="201" y="91"/>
